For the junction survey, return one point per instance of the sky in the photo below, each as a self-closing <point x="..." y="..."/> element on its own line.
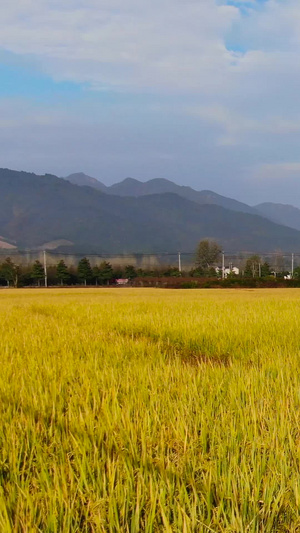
<point x="205" y="93"/>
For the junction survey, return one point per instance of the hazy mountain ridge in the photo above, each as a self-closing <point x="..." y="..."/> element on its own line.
<point x="35" y="210"/>
<point x="131" y="187"/>
<point x="285" y="214"/>
<point x="136" y="188"/>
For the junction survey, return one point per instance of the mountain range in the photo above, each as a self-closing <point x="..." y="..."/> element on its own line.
<point x="81" y="214"/>
<point x="133" y="187"/>
<point x="287" y="215"/>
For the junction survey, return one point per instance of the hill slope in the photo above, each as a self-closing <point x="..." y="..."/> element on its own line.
<point x="35" y="210"/>
<point x="285" y="214"/>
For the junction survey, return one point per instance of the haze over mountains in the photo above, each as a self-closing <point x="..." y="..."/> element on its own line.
<point x="286" y="215"/>
<point x="158" y="216"/>
<point x="133" y="187"/>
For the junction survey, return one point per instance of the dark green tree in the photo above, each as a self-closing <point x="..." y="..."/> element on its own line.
<point x="97" y="275"/>
<point x="208" y="253"/>
<point x="130" y="272"/>
<point x="62" y="272"/>
<point x="105" y="272"/>
<point x="10" y="272"/>
<point x="265" y="270"/>
<point x="172" y="272"/>
<point x="211" y="272"/>
<point x="118" y="272"/>
<point x="84" y="271"/>
<point x="37" y="272"/>
<point x="196" y="272"/>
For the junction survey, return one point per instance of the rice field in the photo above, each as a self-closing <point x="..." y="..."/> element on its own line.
<point x="143" y="410"/>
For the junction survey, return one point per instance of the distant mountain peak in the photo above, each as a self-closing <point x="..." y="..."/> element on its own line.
<point x="79" y="175"/>
<point x="162" y="180"/>
<point x="133" y="187"/>
<point x="127" y="181"/>
<point x="83" y="180"/>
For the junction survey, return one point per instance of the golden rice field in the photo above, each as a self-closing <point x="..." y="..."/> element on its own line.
<point x="143" y="410"/>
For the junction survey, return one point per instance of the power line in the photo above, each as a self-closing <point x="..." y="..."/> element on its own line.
<point x="226" y="255"/>
<point x="8" y="252"/>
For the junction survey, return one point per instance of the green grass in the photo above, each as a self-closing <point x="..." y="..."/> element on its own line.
<point x="128" y="410"/>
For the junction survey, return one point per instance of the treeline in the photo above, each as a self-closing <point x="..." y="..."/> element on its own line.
<point x="12" y="274"/>
<point x="208" y="256"/>
<point x="16" y="275"/>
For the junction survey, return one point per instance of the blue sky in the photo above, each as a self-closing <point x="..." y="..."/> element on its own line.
<point x="202" y="92"/>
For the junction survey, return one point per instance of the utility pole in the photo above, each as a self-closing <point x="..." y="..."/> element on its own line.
<point x="179" y="261"/>
<point x="223" y="265"/>
<point x="259" y="270"/>
<point x="292" y="266"/>
<point x="45" y="269"/>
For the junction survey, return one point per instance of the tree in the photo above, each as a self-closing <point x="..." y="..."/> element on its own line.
<point x="172" y="272"/>
<point x="105" y="272"/>
<point x="196" y="272"/>
<point x="130" y="272"/>
<point x="84" y="270"/>
<point x="37" y="272"/>
<point x="252" y="267"/>
<point x="62" y="272"/>
<point x="297" y="272"/>
<point x="265" y="270"/>
<point x="207" y="254"/>
<point x="10" y="272"/>
<point x="96" y="274"/>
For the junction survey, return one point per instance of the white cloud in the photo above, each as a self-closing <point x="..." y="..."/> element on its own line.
<point x="243" y="103"/>
<point x="167" y="46"/>
<point x="235" y="127"/>
<point x="164" y="44"/>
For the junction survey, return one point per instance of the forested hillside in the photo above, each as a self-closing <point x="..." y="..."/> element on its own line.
<point x="35" y="210"/>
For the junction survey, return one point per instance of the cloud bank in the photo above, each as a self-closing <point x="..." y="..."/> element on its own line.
<point x="203" y="91"/>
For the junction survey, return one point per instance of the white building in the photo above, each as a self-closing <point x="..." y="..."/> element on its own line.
<point x="228" y="270"/>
